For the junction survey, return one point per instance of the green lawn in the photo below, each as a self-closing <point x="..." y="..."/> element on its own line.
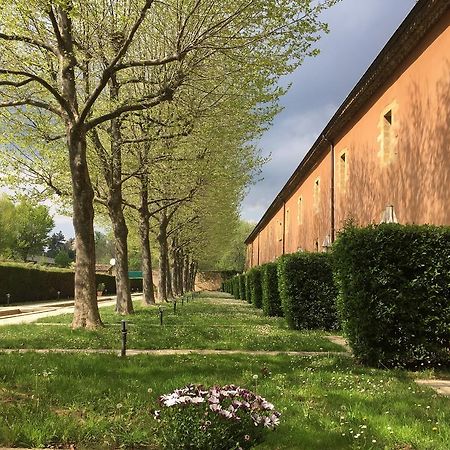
<point x="202" y="323"/>
<point x="327" y="402"/>
<point x="101" y="401"/>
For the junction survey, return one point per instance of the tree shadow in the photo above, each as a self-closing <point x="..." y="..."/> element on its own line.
<point x="417" y="179"/>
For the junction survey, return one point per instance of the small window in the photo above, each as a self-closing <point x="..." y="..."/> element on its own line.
<point x="280" y="230"/>
<point x="388" y="138"/>
<point x="316" y="195"/>
<point x="342" y="171"/>
<point x="288" y="222"/>
<point x="300" y="211"/>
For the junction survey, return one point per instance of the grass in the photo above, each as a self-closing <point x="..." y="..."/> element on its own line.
<point x="203" y="323"/>
<point x="100" y="401"/>
<point x="327" y="402"/>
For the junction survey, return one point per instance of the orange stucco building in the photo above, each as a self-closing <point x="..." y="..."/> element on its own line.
<point x="387" y="145"/>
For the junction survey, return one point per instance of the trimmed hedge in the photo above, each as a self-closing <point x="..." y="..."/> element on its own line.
<point x="241" y="287"/>
<point x="248" y="293"/>
<point x="271" y="303"/>
<point x="307" y="291"/>
<point x="394" y="299"/>
<point x="254" y="279"/>
<point x="26" y="283"/>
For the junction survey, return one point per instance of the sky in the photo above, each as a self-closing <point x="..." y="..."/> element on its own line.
<point x="359" y="29"/>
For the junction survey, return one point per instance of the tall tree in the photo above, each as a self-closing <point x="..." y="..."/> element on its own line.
<point x="33" y="224"/>
<point x="60" y="58"/>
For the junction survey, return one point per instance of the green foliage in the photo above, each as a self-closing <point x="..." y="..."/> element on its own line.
<point x="242" y="287"/>
<point x="27" y="283"/>
<point x="235" y="286"/>
<point x="24" y="228"/>
<point x="394" y="283"/>
<point x="233" y="255"/>
<point x="248" y="292"/>
<point x="33" y="224"/>
<point x="222" y="417"/>
<point x="307" y="291"/>
<point x="62" y="259"/>
<point x="254" y="279"/>
<point x="271" y="303"/>
<point x="55" y="244"/>
<point x="7" y="220"/>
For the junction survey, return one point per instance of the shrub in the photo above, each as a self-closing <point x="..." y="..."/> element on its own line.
<point x="248" y="293"/>
<point x="28" y="283"/>
<point x="242" y="287"/>
<point x="254" y="278"/>
<point x="235" y="287"/>
<point x="394" y="302"/>
<point x="219" y="418"/>
<point x="271" y="303"/>
<point x="307" y="291"/>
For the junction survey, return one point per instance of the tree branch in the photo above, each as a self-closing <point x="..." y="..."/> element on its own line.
<point x="108" y="72"/>
<point x="139" y="106"/>
<point x="42" y="82"/>
<point x="32" y="102"/>
<point x="28" y="40"/>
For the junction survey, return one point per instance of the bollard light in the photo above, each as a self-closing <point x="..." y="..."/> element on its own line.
<point x="161" y="312"/>
<point x="59" y="294"/>
<point x="124" y="338"/>
<point x="182" y="300"/>
<point x="174" y="306"/>
<point x="8" y="299"/>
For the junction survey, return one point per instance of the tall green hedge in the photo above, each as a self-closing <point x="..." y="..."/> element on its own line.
<point x="26" y="283"/>
<point x="242" y="287"/>
<point x="394" y="283"/>
<point x="307" y="291"/>
<point x="254" y="279"/>
<point x="271" y="303"/>
<point x="248" y="292"/>
<point x="235" y="286"/>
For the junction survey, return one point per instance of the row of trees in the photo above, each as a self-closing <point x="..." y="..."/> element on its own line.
<point x="143" y="111"/>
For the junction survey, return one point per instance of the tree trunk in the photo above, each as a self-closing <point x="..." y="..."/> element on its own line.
<point x="147" y="274"/>
<point x="86" y="314"/>
<point x="124" y="305"/>
<point x="163" y="256"/>
<point x="186" y="274"/>
<point x="169" y="277"/>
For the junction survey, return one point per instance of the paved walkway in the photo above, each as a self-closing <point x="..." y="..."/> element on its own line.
<point x="442" y="387"/>
<point x="30" y="312"/>
<point x="169" y="351"/>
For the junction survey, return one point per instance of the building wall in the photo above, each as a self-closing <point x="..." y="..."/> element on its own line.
<point x="395" y="152"/>
<point x="308" y="210"/>
<point x="413" y="172"/>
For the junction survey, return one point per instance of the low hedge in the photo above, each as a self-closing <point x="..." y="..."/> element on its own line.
<point x="271" y="303"/>
<point x="28" y="283"/>
<point x="254" y="279"/>
<point x="394" y="302"/>
<point x="307" y="291"/>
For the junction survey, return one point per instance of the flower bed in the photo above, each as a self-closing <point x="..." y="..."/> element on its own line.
<point x="227" y="417"/>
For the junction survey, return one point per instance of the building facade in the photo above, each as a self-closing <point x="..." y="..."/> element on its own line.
<point x="386" y="150"/>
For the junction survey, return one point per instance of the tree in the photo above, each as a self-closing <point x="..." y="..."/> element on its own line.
<point x="62" y="259"/>
<point x="32" y="226"/>
<point x="56" y="243"/>
<point x="7" y="225"/>
<point x="234" y="255"/>
<point x="62" y="59"/>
